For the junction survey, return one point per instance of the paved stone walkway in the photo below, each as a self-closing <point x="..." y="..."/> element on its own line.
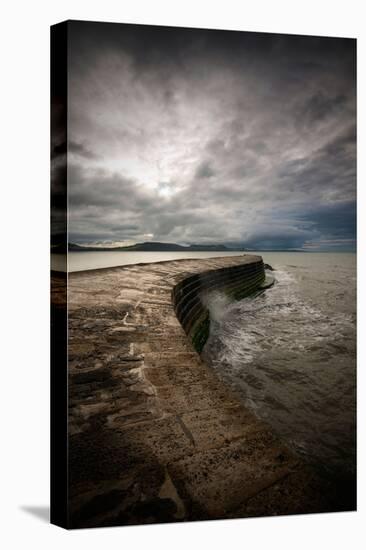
<point x="154" y="435"/>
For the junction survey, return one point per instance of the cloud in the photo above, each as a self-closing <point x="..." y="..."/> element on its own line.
<point x="81" y="150"/>
<point x="202" y="136"/>
<point x="321" y="106"/>
<point x="204" y="170"/>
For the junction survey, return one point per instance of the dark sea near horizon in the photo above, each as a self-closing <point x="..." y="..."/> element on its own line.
<point x="289" y="353"/>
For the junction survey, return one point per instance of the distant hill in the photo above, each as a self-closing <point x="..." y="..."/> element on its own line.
<point x="155" y="247"/>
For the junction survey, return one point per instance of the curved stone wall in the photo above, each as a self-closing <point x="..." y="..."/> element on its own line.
<point x="153" y="434"/>
<point x="235" y="282"/>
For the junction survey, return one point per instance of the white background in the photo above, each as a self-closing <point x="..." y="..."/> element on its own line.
<point x="24" y="303"/>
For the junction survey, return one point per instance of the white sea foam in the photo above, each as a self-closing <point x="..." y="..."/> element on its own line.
<point x="290" y="352"/>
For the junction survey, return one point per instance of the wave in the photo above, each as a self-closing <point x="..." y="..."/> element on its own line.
<point x="286" y="351"/>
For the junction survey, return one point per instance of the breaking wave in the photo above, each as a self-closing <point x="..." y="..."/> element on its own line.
<point x="290" y="354"/>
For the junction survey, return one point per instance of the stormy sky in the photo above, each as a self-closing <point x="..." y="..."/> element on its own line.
<point x="196" y="136"/>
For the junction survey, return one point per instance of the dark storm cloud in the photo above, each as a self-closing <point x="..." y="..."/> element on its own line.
<point x="319" y="106"/>
<point x="204" y="170"/>
<point x="81" y="150"/>
<point x="192" y="135"/>
<point x="330" y="170"/>
<point x="336" y="220"/>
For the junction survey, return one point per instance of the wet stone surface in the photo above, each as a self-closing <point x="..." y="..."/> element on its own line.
<point x="154" y="436"/>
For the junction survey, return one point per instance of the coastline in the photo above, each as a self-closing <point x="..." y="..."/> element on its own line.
<point x="154" y="435"/>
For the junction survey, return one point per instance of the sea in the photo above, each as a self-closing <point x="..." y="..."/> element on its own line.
<point x="289" y="353"/>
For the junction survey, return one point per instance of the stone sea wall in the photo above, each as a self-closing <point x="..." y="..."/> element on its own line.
<point x="153" y="434"/>
<point x="188" y="296"/>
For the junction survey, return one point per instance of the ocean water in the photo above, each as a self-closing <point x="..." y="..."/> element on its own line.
<point x="290" y="354"/>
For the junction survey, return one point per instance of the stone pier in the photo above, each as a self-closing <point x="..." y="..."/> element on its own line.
<point x="154" y="435"/>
